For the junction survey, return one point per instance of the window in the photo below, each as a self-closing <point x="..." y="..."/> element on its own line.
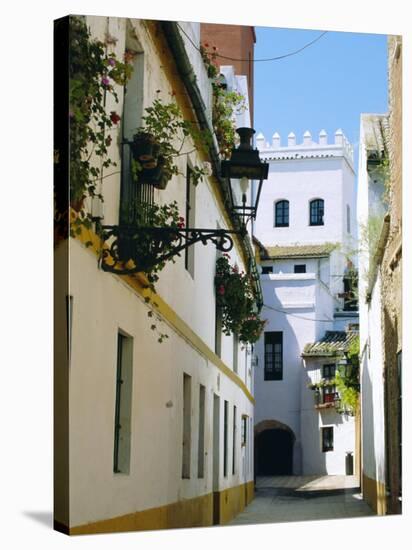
<point x="225" y="436"/>
<point x="327" y="439"/>
<point x="235" y="352"/>
<point x="190" y="220"/>
<point x="350" y="290"/>
<point x="300" y="268"/>
<point x="266" y="269"/>
<point x="328" y="371"/>
<point x="187" y="435"/>
<point x="132" y="196"/>
<point x="123" y="404"/>
<point x="282" y="214"/>
<point x="234" y="441"/>
<point x="201" y="442"/>
<point x="316" y="212"/>
<point x="244" y="431"/>
<point x="348" y="218"/>
<point x="69" y="325"/>
<point x="273" y="356"/>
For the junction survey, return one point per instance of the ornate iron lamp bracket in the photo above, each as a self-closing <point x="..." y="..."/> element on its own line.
<point x="132" y="249"/>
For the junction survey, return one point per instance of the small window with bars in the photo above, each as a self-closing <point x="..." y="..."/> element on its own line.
<point x="327" y="439"/>
<point x="273" y="356"/>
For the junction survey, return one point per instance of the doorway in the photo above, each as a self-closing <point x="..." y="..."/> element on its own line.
<point x="274" y="452"/>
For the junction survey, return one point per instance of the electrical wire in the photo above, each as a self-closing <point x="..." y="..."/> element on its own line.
<point x="257" y="60"/>
<point x="298" y="316"/>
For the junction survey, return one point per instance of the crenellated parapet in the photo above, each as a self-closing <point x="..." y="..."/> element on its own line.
<point x="307" y="148"/>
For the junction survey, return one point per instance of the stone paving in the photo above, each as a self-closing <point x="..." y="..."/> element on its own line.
<point x="304" y="498"/>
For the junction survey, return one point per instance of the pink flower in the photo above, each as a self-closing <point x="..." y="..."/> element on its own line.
<point x="221" y="290"/>
<point x="105" y="81"/>
<point x="111" y="61"/>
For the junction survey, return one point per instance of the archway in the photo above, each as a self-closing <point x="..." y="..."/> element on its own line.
<point x="274" y="443"/>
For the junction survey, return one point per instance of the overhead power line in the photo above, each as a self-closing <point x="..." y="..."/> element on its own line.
<point x="298" y="316"/>
<point x="257" y="60"/>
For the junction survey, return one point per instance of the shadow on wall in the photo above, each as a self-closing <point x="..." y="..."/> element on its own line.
<point x="311" y="437"/>
<point x="393" y="412"/>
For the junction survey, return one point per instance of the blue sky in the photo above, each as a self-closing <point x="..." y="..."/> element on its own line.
<point x="328" y="85"/>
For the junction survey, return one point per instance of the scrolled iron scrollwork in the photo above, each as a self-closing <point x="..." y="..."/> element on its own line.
<point x="132" y="249"/>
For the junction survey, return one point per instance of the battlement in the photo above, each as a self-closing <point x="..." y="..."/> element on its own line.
<point x="307" y="149"/>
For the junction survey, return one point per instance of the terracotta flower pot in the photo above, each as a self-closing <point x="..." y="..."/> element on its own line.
<point x="158" y="176"/>
<point x="142" y="147"/>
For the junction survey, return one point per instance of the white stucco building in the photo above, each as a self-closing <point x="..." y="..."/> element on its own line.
<point x="150" y="435"/>
<point x="306" y="232"/>
<point x="374" y="226"/>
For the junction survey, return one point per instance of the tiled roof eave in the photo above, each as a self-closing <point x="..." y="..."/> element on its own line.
<point x="297" y="255"/>
<point x="322" y="353"/>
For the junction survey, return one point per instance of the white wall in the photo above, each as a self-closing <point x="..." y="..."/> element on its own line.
<point x="103" y="304"/>
<point x="299" y="174"/>
<point x="372" y="391"/>
<point x="315" y="461"/>
<point x="304" y="304"/>
<point x="370" y="189"/>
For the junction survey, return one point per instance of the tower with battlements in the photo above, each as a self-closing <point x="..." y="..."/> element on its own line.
<point x="306" y="234"/>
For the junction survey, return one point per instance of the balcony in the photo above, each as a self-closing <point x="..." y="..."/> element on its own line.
<point x="326" y="398"/>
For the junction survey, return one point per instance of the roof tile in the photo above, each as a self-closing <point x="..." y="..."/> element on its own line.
<point x="333" y="343"/>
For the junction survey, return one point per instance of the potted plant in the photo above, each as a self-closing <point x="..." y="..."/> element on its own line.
<point x="144" y="147"/>
<point x="251" y="329"/>
<point x="158" y="143"/>
<point x="234" y="296"/>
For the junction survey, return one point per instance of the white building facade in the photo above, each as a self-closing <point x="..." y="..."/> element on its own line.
<point x="150" y="435"/>
<point x="305" y="231"/>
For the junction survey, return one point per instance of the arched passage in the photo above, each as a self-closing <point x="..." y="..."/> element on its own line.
<point x="274" y="443"/>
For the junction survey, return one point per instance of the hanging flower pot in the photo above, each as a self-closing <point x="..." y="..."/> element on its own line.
<point x="143" y="148"/>
<point x="152" y="162"/>
<point x="251" y="330"/>
<point x="158" y="176"/>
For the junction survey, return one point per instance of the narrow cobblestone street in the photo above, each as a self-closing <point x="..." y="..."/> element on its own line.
<point x="304" y="498"/>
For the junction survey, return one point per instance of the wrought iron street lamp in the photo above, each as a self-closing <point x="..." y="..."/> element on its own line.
<point x="244" y="165"/>
<point x="123" y="255"/>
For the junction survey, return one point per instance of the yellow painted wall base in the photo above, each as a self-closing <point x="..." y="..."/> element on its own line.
<point x="232" y="501"/>
<point x="374" y="494"/>
<point x="196" y="512"/>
